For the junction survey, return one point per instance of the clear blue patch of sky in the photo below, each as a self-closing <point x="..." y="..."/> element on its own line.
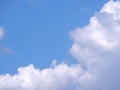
<point x="38" y="31"/>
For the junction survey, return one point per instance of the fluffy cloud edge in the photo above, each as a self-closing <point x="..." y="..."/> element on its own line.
<point x="58" y="77"/>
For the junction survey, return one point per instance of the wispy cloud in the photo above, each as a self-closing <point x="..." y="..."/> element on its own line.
<point x="1" y="32"/>
<point x="34" y="1"/>
<point x="96" y="47"/>
<point x="5" y="50"/>
<point x="85" y="9"/>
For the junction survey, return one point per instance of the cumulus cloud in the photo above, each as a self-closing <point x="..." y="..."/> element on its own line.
<point x="95" y="46"/>
<point x="100" y="38"/>
<point x="59" y="77"/>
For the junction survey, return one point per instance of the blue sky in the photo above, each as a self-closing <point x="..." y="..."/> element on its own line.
<point x="59" y="45"/>
<point x="38" y="31"/>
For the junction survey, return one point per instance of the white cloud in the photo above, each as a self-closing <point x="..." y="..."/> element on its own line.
<point x="100" y="37"/>
<point x="96" y="47"/>
<point x="61" y="77"/>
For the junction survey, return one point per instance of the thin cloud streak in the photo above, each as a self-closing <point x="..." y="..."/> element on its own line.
<point x="1" y="32"/>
